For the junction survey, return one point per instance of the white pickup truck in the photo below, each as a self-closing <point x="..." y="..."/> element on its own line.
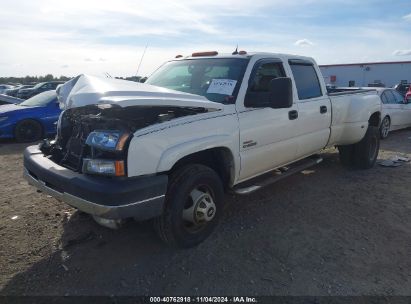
<point x="167" y="149"/>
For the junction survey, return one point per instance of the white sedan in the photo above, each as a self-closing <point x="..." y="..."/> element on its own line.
<point x="396" y="111"/>
<point x="4" y="88"/>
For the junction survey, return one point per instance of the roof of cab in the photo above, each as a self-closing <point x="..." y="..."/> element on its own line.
<point x="249" y="55"/>
<point x="260" y="55"/>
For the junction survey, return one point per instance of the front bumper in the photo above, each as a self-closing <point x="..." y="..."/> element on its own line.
<point x="6" y="129"/>
<point x="139" y="197"/>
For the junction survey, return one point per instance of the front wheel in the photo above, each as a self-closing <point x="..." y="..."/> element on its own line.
<point x="193" y="206"/>
<point x="28" y="130"/>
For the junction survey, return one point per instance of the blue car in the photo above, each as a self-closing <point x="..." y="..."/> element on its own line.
<point x="32" y="119"/>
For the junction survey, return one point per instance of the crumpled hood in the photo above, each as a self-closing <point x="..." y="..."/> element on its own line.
<point x="86" y="90"/>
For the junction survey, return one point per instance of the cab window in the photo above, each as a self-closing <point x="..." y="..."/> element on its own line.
<point x="264" y="72"/>
<point x="306" y="79"/>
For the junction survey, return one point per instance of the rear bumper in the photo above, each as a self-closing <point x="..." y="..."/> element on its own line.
<point x="140" y="197"/>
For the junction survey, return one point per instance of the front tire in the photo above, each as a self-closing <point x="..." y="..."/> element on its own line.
<point x="385" y="127"/>
<point x="28" y="130"/>
<point x="193" y="207"/>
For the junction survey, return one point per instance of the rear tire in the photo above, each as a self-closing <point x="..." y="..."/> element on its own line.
<point x="346" y="155"/>
<point x="28" y="130"/>
<point x="366" y="151"/>
<point x="193" y="207"/>
<point x="363" y="154"/>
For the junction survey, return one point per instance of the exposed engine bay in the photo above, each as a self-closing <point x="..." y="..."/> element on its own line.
<point x="75" y="125"/>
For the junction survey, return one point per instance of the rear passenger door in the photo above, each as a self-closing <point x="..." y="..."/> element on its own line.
<point x="314" y="108"/>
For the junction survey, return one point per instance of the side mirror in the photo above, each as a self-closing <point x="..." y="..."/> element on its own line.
<point x="280" y="95"/>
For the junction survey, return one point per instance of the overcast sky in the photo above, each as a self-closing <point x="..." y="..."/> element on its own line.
<point x="94" y="37"/>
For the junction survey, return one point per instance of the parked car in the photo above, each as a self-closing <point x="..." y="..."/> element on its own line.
<point x="408" y="95"/>
<point x="5" y="99"/>
<point x="4" y="88"/>
<point x="32" y="119"/>
<point x="402" y="88"/>
<point x="167" y="149"/>
<point x="396" y="111"/>
<point x="13" y="92"/>
<point x="38" y="88"/>
<point x="376" y="85"/>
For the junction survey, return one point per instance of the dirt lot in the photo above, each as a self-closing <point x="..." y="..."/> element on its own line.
<point x="331" y="232"/>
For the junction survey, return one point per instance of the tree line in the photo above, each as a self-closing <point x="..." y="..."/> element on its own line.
<point x="49" y="77"/>
<point x="33" y="79"/>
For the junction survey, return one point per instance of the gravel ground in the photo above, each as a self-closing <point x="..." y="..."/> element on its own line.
<point x="330" y="231"/>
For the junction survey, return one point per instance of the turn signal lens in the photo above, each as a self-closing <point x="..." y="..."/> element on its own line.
<point x="119" y="165"/>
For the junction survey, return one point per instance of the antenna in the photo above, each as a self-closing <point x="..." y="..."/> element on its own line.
<point x="141" y="60"/>
<point x="236" y="51"/>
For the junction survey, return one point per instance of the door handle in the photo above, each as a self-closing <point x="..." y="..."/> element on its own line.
<point x="292" y="115"/>
<point x="323" y="109"/>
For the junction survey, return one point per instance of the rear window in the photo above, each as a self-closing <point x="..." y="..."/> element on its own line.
<point x="390" y="97"/>
<point x="306" y="80"/>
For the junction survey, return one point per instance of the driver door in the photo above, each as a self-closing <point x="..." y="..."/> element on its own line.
<point x="267" y="135"/>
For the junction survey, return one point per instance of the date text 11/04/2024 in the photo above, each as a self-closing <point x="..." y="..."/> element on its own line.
<point x="203" y="300"/>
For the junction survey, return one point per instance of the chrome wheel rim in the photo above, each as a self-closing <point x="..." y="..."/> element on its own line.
<point x="199" y="210"/>
<point x="385" y="127"/>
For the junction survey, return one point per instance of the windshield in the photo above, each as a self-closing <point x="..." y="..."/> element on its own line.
<point x="40" y="100"/>
<point x="217" y="79"/>
<point x="38" y="85"/>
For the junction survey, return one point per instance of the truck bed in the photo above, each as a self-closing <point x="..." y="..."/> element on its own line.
<point x="346" y="91"/>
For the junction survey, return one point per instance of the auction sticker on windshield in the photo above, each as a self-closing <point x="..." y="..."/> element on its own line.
<point x="222" y="86"/>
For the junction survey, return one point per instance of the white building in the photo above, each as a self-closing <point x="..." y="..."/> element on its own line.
<point x="386" y="74"/>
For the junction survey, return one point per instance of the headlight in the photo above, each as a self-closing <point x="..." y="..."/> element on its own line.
<point x="104" y="167"/>
<point x="107" y="140"/>
<point x="3" y="118"/>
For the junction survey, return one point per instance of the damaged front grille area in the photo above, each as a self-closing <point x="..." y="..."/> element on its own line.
<point x="70" y="148"/>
